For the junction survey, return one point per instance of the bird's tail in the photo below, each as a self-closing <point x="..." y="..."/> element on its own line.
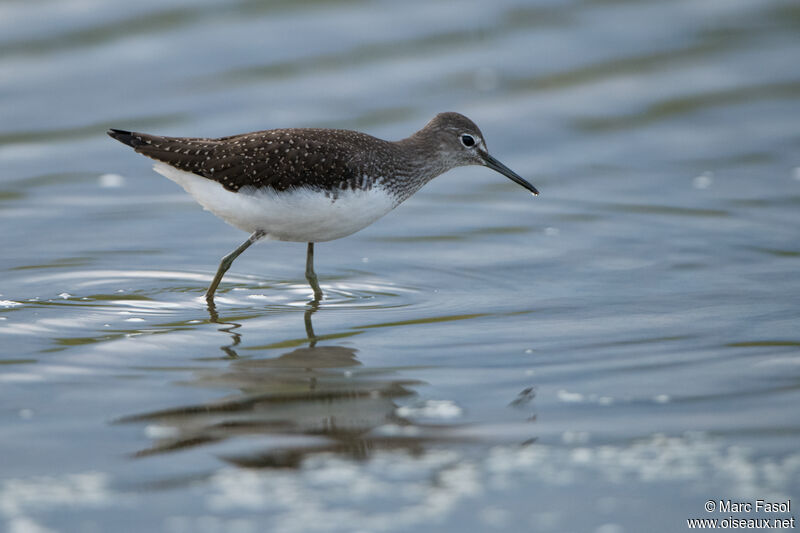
<point x="125" y="137"/>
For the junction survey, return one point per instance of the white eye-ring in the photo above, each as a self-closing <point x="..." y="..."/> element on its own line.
<point x="467" y="140"/>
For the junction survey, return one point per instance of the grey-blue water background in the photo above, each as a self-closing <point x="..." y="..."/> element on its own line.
<point x="606" y="357"/>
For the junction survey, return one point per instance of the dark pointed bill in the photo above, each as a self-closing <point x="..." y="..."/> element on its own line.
<point x="497" y="166"/>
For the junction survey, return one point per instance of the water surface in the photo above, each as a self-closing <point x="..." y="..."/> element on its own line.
<point x="628" y="342"/>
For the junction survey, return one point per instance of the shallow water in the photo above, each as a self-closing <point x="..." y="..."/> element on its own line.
<point x="606" y="357"/>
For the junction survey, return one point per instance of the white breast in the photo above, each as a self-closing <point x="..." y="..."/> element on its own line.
<point x="299" y="215"/>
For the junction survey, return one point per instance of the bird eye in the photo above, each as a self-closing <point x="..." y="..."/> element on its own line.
<point x="467" y="140"/>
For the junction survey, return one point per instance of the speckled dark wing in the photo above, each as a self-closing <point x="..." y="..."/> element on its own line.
<point x="276" y="159"/>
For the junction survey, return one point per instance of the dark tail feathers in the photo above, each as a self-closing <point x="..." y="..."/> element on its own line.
<point x="125" y="137"/>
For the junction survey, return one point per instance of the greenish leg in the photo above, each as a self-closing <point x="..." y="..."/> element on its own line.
<point x="312" y="337"/>
<point x="227" y="261"/>
<point x="311" y="276"/>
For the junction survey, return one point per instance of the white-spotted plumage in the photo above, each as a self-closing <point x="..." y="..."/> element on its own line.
<point x="298" y="215"/>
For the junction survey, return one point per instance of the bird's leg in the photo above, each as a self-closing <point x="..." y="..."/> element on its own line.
<point x="227" y="261"/>
<point x="310" y="310"/>
<point x="311" y="276"/>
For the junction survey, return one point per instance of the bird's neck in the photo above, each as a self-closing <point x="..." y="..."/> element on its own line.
<point x="419" y="160"/>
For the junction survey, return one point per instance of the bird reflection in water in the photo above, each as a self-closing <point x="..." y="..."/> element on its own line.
<point x="312" y="399"/>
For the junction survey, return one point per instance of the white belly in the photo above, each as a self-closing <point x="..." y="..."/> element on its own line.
<point x="300" y="215"/>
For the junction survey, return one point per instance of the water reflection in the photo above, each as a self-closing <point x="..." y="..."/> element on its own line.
<point x="317" y="398"/>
